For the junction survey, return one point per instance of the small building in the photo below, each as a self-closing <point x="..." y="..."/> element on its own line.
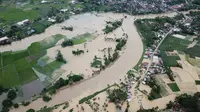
<point x="73" y="1"/>
<point x="63" y="10"/>
<point x="155" y="59"/>
<point x="51" y="20"/>
<point x="44" y="1"/>
<point x="4" y="40"/>
<point x="24" y="22"/>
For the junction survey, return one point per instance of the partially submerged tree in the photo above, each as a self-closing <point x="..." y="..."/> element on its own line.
<point x="60" y="58"/>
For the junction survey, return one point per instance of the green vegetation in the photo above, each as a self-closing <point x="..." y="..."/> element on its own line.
<point x="193" y="51"/>
<point x="92" y="96"/>
<point x="96" y="62"/>
<point x="77" y="52"/>
<point x="197" y="82"/>
<point x="7" y="103"/>
<point x="11" y="94"/>
<point x="77" y="40"/>
<point x="9" y="77"/>
<point x="190" y="103"/>
<point x="117" y="95"/>
<point x="60" y="58"/>
<point x="172" y="43"/>
<point x="72" y="78"/>
<point x="45" y="44"/>
<point x="9" y="57"/>
<point x="174" y="87"/>
<point x="111" y="26"/>
<point x="11" y="15"/>
<point x="70" y="28"/>
<point x="82" y="38"/>
<point x="49" y="68"/>
<point x="169" y="60"/>
<point x="25" y="71"/>
<point x="192" y="61"/>
<point x="16" y="105"/>
<point x="30" y="110"/>
<point x="155" y="91"/>
<point x="67" y="42"/>
<point x="16" y="68"/>
<point x="120" y="44"/>
<point x="46" y="98"/>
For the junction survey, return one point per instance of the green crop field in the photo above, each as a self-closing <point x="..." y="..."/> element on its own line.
<point x="172" y="43"/>
<point x="13" y="15"/>
<point x="9" y="76"/>
<point x="174" y="87"/>
<point x="49" y="68"/>
<point x="47" y="43"/>
<point x="82" y="38"/>
<point x="169" y="60"/>
<point x="9" y="57"/>
<point x="16" y="68"/>
<point x="25" y="72"/>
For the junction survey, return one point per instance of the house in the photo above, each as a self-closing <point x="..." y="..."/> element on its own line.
<point x="155" y="59"/>
<point x="4" y="40"/>
<point x="63" y="10"/>
<point x="51" y="20"/>
<point x="44" y="1"/>
<point x="24" y="22"/>
<point x="73" y="1"/>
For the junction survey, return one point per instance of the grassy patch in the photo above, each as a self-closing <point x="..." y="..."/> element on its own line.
<point x="17" y="66"/>
<point x="96" y="63"/>
<point x="136" y="67"/>
<point x="193" y="51"/>
<point x="82" y="38"/>
<point x="45" y="44"/>
<point x="174" y="87"/>
<point x="12" y="15"/>
<point x="49" y="68"/>
<point x="169" y="60"/>
<point x="172" y="43"/>
<point x="9" y="76"/>
<point x="9" y="57"/>
<point x="25" y="72"/>
<point x="192" y="61"/>
<point x="93" y="95"/>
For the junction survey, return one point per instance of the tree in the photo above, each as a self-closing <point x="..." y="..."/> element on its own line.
<point x="12" y="94"/>
<point x="60" y="58"/>
<point x="16" y="105"/>
<point x="30" y="110"/>
<point x="7" y="103"/>
<point x="46" y="98"/>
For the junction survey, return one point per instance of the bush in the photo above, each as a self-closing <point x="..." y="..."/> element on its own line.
<point x="60" y="58"/>
<point x="46" y="98"/>
<point x="5" y="109"/>
<point x="30" y="110"/>
<point x="77" y="52"/>
<point x="68" y="42"/>
<point x="7" y="103"/>
<point x="120" y="44"/>
<point x="117" y="95"/>
<point x="16" y="105"/>
<point x="111" y="26"/>
<point x="25" y="103"/>
<point x="12" y="94"/>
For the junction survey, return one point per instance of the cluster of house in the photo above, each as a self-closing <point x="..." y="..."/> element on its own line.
<point x="156" y="65"/>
